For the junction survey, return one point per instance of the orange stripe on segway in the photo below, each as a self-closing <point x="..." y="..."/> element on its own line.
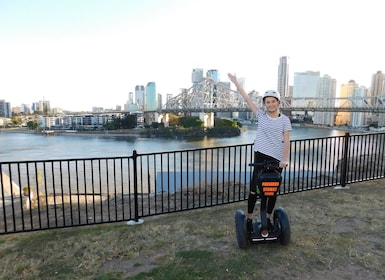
<point x="270" y="184"/>
<point x="270" y="189"/>
<point x="269" y="193"/>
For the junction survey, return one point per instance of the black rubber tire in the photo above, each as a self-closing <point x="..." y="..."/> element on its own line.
<point x="281" y="221"/>
<point x="240" y="228"/>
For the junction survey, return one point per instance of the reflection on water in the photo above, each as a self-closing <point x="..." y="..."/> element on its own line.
<point x="21" y="147"/>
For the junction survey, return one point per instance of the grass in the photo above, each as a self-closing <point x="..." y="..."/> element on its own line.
<point x="336" y="234"/>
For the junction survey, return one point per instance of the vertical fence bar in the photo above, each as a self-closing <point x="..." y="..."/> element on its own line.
<point x="136" y="205"/>
<point x="136" y="210"/>
<point x="345" y="155"/>
<point x="2" y="182"/>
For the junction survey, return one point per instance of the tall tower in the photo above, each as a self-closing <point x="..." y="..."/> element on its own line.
<point x="150" y="98"/>
<point x="5" y="109"/>
<point x="359" y="119"/>
<point x="326" y="89"/>
<point x="283" y="76"/>
<point x="377" y="88"/>
<point x="378" y="84"/>
<point x="139" y="95"/>
<point x="347" y="90"/>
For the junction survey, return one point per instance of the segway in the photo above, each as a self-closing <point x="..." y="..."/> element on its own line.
<point x="268" y="185"/>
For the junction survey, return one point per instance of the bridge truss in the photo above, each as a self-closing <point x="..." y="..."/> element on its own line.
<point x="211" y="96"/>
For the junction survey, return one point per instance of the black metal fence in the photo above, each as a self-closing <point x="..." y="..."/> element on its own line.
<point x="37" y="195"/>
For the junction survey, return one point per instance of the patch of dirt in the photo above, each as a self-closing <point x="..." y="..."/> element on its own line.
<point x="129" y="267"/>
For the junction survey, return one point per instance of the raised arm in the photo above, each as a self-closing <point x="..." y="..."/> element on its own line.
<point x="241" y="90"/>
<point x="286" y="149"/>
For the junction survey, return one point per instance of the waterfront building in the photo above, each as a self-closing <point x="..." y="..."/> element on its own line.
<point x="131" y="107"/>
<point x="44" y="107"/>
<point x="25" y="109"/>
<point x="35" y="107"/>
<point x="139" y="96"/>
<point x="377" y="88"/>
<point x="359" y="119"/>
<point x="5" y="109"/>
<point x="305" y="86"/>
<point x="346" y="91"/>
<point x="15" y="110"/>
<point x="326" y="89"/>
<point x="130" y="97"/>
<point x="150" y="97"/>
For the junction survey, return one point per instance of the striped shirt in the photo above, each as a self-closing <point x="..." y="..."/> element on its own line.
<point x="270" y="134"/>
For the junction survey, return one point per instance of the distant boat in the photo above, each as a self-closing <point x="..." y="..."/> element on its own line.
<point x="48" y="132"/>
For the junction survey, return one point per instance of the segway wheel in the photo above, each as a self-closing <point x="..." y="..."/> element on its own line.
<point x="240" y="228"/>
<point x="282" y="222"/>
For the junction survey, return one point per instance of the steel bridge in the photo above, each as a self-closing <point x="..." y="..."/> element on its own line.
<point x="210" y="96"/>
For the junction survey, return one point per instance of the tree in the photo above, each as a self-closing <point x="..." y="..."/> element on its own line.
<point x="32" y="125"/>
<point x="173" y="120"/>
<point x="188" y="122"/>
<point x="16" y="120"/>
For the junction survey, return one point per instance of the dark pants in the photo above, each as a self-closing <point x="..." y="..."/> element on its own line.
<point x="269" y="202"/>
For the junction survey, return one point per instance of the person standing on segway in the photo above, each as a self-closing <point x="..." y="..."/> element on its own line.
<point x="272" y="143"/>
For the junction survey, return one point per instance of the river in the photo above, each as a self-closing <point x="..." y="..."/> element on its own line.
<point x="27" y="146"/>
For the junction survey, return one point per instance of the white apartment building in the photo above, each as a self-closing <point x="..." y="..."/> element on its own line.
<point x="326" y="89"/>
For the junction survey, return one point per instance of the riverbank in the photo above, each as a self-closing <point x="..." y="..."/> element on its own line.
<point x="143" y="132"/>
<point x="120" y="132"/>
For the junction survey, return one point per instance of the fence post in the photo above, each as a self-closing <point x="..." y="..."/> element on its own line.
<point x="136" y="209"/>
<point x="344" y="167"/>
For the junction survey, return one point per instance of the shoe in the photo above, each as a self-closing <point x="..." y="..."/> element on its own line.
<point x="249" y="225"/>
<point x="270" y="226"/>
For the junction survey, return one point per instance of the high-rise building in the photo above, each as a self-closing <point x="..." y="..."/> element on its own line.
<point x="35" y="107"/>
<point x="197" y="75"/>
<point x="160" y="101"/>
<point x="130" y="97"/>
<point x="213" y="74"/>
<point x="283" y="76"/>
<point x="5" y="109"/>
<point x="346" y="91"/>
<point x="139" y="96"/>
<point x="326" y="89"/>
<point x="150" y="98"/>
<point x="44" y="107"/>
<point x="378" y="84"/>
<point x="305" y="85"/>
<point x="25" y="109"/>
<point x="377" y="88"/>
<point x="359" y="119"/>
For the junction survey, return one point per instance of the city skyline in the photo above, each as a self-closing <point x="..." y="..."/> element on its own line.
<point x="84" y="54"/>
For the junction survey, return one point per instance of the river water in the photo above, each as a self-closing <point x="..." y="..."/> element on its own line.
<point x="26" y="146"/>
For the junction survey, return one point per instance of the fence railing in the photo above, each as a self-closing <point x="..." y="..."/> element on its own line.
<point x="38" y="195"/>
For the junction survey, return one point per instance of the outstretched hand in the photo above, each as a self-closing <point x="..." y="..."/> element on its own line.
<point x="232" y="77"/>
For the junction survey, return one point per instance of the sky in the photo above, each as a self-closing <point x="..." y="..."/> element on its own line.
<point x="79" y="54"/>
